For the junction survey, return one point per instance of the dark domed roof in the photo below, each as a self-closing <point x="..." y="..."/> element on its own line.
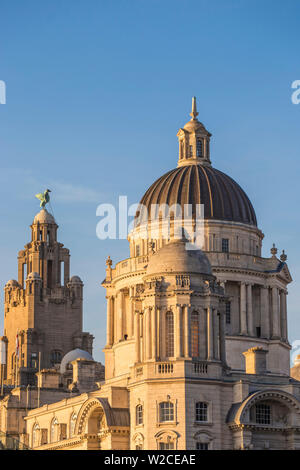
<point x="222" y="197"/>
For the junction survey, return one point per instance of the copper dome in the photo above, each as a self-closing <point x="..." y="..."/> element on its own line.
<point x="222" y="197"/>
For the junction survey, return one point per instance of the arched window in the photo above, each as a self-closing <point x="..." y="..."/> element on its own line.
<point x="166" y="411"/>
<point x="170" y="334"/>
<point x="53" y="430"/>
<point x="195" y="334"/>
<point x="199" y="148"/>
<point x="73" y="424"/>
<point x="201" y="412"/>
<point x="139" y="414"/>
<point x="138" y="440"/>
<point x="35" y="435"/>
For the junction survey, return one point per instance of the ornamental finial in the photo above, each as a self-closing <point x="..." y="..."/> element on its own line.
<point x="194" y="112"/>
<point x="274" y="251"/>
<point x="283" y="257"/>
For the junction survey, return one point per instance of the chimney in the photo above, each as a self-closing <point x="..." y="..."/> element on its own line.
<point x="48" y="378"/>
<point x="256" y="360"/>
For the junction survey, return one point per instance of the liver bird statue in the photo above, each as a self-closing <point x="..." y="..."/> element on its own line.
<point x="44" y="197"/>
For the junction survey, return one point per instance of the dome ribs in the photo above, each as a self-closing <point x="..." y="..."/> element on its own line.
<point x="217" y="196"/>
<point x="222" y="197"/>
<point x="210" y="194"/>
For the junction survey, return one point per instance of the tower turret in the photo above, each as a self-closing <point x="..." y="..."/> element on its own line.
<point x="43" y="309"/>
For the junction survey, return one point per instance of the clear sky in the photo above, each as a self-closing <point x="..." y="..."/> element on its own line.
<point x="96" y="92"/>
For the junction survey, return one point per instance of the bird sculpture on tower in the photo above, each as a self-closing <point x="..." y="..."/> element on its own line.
<point x="44" y="197"/>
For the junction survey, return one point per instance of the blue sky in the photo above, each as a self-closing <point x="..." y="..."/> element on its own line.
<point x="96" y="92"/>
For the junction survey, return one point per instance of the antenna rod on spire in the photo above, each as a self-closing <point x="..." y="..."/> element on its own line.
<point x="194" y="113"/>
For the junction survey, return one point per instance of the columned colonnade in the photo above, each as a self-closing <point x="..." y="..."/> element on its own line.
<point x="151" y="330"/>
<point x="273" y="311"/>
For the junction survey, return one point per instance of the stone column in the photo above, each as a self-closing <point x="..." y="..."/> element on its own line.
<point x="137" y="336"/>
<point x="265" y="312"/>
<point x="216" y="333"/>
<point x="222" y="327"/>
<point x="163" y="333"/>
<point x="186" y="331"/>
<point x="283" y="315"/>
<point x="250" y="311"/>
<point x="153" y="333"/>
<point x="158" y="329"/>
<point x="210" y="334"/>
<point x="147" y="331"/>
<point x="276" y="313"/>
<point x="109" y="322"/>
<point x="119" y="316"/>
<point x="131" y="313"/>
<point x="243" y="310"/>
<point x="178" y="331"/>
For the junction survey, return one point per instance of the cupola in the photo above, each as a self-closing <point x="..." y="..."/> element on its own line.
<point x="193" y="141"/>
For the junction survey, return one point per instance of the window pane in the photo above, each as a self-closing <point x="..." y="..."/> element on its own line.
<point x="139" y="414"/>
<point x="201" y="411"/>
<point x="201" y="446"/>
<point x="166" y="411"/>
<point x="225" y="245"/>
<point x="228" y="312"/>
<point x="199" y="148"/>
<point x="166" y="445"/>
<point x="263" y="414"/>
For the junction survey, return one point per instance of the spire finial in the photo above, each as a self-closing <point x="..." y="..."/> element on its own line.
<point x="194" y="113"/>
<point x="274" y="251"/>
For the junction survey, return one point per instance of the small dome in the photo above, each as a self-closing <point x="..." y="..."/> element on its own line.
<point x="12" y="283"/>
<point x="72" y="356"/>
<point x="33" y="276"/>
<point x="44" y="217"/>
<point x="297" y="360"/>
<point x="174" y="257"/>
<point x="75" y="280"/>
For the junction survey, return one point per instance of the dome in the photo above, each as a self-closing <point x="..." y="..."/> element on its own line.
<point x="222" y="197"/>
<point x="297" y="360"/>
<point x="12" y="283"/>
<point x="72" y="356"/>
<point x="33" y="276"/>
<point x="44" y="217"/>
<point x="174" y="257"/>
<point x="75" y="280"/>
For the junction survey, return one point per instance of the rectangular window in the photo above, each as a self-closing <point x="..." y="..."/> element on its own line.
<point x="49" y="274"/>
<point x="201" y="446"/>
<point x="34" y="361"/>
<point x="201" y="412"/>
<point x="166" y="445"/>
<point x="258" y="331"/>
<point x="263" y="414"/>
<point x="228" y="312"/>
<point x="138" y="251"/>
<point x="199" y="148"/>
<point x="225" y="245"/>
<point x="166" y="411"/>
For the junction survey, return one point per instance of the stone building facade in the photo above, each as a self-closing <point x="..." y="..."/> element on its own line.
<point x="197" y="351"/>
<point x="43" y="308"/>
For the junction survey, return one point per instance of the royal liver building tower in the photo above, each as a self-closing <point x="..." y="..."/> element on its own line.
<point x="197" y="352"/>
